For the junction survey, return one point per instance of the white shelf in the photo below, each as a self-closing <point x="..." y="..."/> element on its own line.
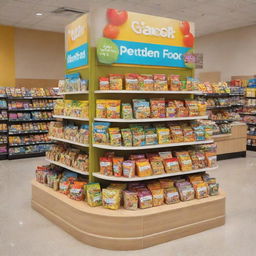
<point x="152" y="146"/>
<point x="113" y="178"/>
<point x="73" y="93"/>
<point x="147" y="92"/>
<point x="221" y="135"/>
<point x="67" y="167"/>
<point x="120" y="120"/>
<point x="69" y="141"/>
<point x="71" y="118"/>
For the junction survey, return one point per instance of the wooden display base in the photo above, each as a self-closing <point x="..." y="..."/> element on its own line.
<point x="128" y="230"/>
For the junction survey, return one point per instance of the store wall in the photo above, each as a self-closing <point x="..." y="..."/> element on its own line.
<point x="7" y="59"/>
<point x="232" y="52"/>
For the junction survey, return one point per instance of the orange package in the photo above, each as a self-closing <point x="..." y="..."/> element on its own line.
<point x="143" y="168"/>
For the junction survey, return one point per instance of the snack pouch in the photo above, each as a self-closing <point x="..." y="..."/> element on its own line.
<point x="127" y="137"/>
<point x="146" y="82"/>
<point x="141" y="108"/>
<point x="111" y="198"/>
<point x="138" y="137"/>
<point x="151" y="136"/>
<point x="165" y="155"/>
<point x="127" y="111"/>
<point x="100" y="132"/>
<point x="113" y="109"/>
<point x="93" y="194"/>
<point x="143" y="168"/>
<point x="64" y="187"/>
<point x="171" y="195"/>
<point x="160" y="82"/>
<point x="106" y="166"/>
<point x="157" y="166"/>
<point x="195" y="160"/>
<point x="129" y="169"/>
<point x="188" y="134"/>
<point x="157" y="107"/>
<point x="176" y="134"/>
<point x="201" y="190"/>
<point x="163" y="135"/>
<point x="171" y="165"/>
<point x="76" y="191"/>
<point x="115" y="82"/>
<point x="118" y="166"/>
<point x="104" y="83"/>
<point x="213" y="189"/>
<point x="101" y="108"/>
<point x="158" y="197"/>
<point x="131" y="82"/>
<point x="115" y="137"/>
<point x="145" y="199"/>
<point x="170" y="111"/>
<point x="192" y="106"/>
<point x="174" y="83"/>
<point x="166" y="183"/>
<point x="186" y="193"/>
<point x="130" y="200"/>
<point x="184" y="161"/>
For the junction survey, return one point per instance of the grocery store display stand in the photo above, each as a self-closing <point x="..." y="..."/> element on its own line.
<point x="122" y="229"/>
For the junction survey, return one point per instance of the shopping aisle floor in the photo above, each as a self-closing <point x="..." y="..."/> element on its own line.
<point x="24" y="232"/>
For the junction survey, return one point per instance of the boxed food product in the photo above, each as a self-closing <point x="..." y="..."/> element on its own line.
<point x="174" y="83"/>
<point x="146" y="82"/>
<point x="104" y="83"/>
<point x="141" y="108"/>
<point x="160" y="82"/>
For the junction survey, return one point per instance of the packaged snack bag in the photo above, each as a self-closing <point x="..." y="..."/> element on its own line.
<point x="146" y="82"/>
<point x="157" y="107"/>
<point x="154" y="185"/>
<point x="137" y="157"/>
<point x="158" y="197"/>
<point x="130" y="200"/>
<point x="171" y="195"/>
<point x="93" y="194"/>
<point x="113" y="109"/>
<point x="195" y="160"/>
<point x="201" y="190"/>
<point x="211" y="160"/>
<point x="213" y="189"/>
<point x="111" y="198"/>
<point x="106" y="166"/>
<point x="64" y="187"/>
<point x="104" y="83"/>
<point x="160" y="82"/>
<point x="129" y="168"/>
<point x="127" y="137"/>
<point x="100" y="132"/>
<point x="184" y="160"/>
<point x="101" y="108"/>
<point x="163" y="135"/>
<point x="192" y="106"/>
<point x="131" y="82"/>
<point x="127" y="111"/>
<point x="76" y="191"/>
<point x="181" y="110"/>
<point x="202" y="107"/>
<point x="186" y="191"/>
<point x="115" y="82"/>
<point x="170" y="111"/>
<point x="188" y="134"/>
<point x="141" y="108"/>
<point x="165" y="155"/>
<point x="145" y="199"/>
<point x="192" y="84"/>
<point x="201" y="159"/>
<point x="118" y="166"/>
<point x="157" y="166"/>
<point x="151" y="136"/>
<point x="115" y="137"/>
<point x="138" y="137"/>
<point x="143" y="168"/>
<point x="171" y="165"/>
<point x="176" y="134"/>
<point x="174" y="83"/>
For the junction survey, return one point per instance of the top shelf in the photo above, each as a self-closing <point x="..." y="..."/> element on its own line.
<point x="73" y="93"/>
<point x="146" y="92"/>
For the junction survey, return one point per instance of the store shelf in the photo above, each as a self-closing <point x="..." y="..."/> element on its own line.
<point x="218" y="107"/>
<point x="119" y="120"/>
<point x="251" y="148"/>
<point x="152" y="177"/>
<point x="69" y="141"/>
<point x="71" y="118"/>
<point x="33" y="97"/>
<point x="3" y="120"/>
<point x="251" y="123"/>
<point x="30" y="109"/>
<point x="250" y="97"/>
<point x="221" y="135"/>
<point x="3" y="132"/>
<point x="73" y="93"/>
<point x="250" y="114"/>
<point x="30" y="143"/>
<point x="146" y="92"/>
<point x="67" y="167"/>
<point x="30" y="120"/>
<point x="102" y="146"/>
<point x="217" y="94"/>
<point x="25" y="155"/>
<point x="3" y="109"/>
<point x="224" y="121"/>
<point x="3" y="156"/>
<point x="27" y="132"/>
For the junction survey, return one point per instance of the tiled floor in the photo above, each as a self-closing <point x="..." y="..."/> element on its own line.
<point x="24" y="232"/>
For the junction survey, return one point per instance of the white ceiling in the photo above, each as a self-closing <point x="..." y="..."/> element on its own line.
<point x="210" y="16"/>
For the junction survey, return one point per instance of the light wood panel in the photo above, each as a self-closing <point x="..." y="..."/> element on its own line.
<point x="36" y="83"/>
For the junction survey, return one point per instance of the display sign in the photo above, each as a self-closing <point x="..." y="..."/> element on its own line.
<point x="76" y="43"/>
<point x="133" y="38"/>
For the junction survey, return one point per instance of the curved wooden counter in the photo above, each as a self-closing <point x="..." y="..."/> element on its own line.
<point x="128" y="230"/>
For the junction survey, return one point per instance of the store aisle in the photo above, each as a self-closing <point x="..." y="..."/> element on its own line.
<point x="24" y="232"/>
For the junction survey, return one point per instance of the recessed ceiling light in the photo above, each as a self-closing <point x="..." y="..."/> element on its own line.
<point x="39" y="14"/>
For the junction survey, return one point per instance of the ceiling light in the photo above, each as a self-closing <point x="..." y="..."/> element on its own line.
<point x="39" y="14"/>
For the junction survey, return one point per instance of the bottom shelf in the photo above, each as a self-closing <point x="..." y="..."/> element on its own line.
<point x="3" y="156"/>
<point x="128" y="230"/>
<point x="25" y="155"/>
<point x="251" y="148"/>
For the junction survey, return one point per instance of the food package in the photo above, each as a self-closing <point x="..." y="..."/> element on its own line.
<point x="163" y="135"/>
<point x="146" y="82"/>
<point x="106" y="166"/>
<point x="151" y="136"/>
<point x="184" y="160"/>
<point x="166" y="183"/>
<point x="171" y="165"/>
<point x="131" y="82"/>
<point x="111" y="198"/>
<point x="188" y="134"/>
<point x="129" y="168"/>
<point x="100" y="132"/>
<point x="157" y="166"/>
<point x="192" y="106"/>
<point x="141" y="108"/>
<point x="145" y="199"/>
<point x="165" y="155"/>
<point x="127" y="111"/>
<point x="158" y="197"/>
<point x="201" y="190"/>
<point x="157" y="107"/>
<point x="171" y="195"/>
<point x="101" y="108"/>
<point x="160" y="82"/>
<point x="115" y="82"/>
<point x="115" y="137"/>
<point x="64" y="187"/>
<point x="138" y="137"/>
<point x="113" y="109"/>
<point x="186" y="191"/>
<point x="174" y="83"/>
<point x="143" y="168"/>
<point x="176" y="134"/>
<point x="130" y="200"/>
<point x="104" y="83"/>
<point x="127" y="137"/>
<point x="76" y="191"/>
<point x="118" y="166"/>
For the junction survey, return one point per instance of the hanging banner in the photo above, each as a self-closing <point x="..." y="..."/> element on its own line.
<point x="76" y="43"/>
<point x="139" y="39"/>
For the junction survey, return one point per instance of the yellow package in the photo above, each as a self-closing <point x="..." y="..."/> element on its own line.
<point x="158" y="196"/>
<point x="111" y="198"/>
<point x="184" y="161"/>
<point x="113" y="109"/>
<point x="101" y="108"/>
<point x="166" y="183"/>
<point x="143" y="168"/>
<point x="93" y="194"/>
<point x="84" y="109"/>
<point x="115" y="137"/>
<point x="163" y="135"/>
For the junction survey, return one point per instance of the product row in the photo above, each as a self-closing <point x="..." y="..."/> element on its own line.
<point x="72" y="108"/>
<point x="249" y="119"/>
<point x="147" y="82"/>
<point x="222" y="129"/>
<point x="221" y="115"/>
<point x="153" y="108"/>
<point x="139" y="135"/>
<point x="131" y="196"/>
<point x="3" y="115"/>
<point x="69" y="156"/>
<point x="29" y="127"/>
<point x="250" y="92"/>
<point x="41" y="148"/>
<point x="30" y="104"/>
<point x="219" y="88"/>
<point x="73" y="85"/>
<point x="30" y="139"/>
<point x="224" y="102"/>
<point x="71" y="132"/>
<point x="35" y="115"/>
<point x="148" y="164"/>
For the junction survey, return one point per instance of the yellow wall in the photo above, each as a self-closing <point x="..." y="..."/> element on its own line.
<point x="7" y="62"/>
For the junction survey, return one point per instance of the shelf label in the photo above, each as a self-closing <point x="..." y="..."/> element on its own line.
<point x="140" y="39"/>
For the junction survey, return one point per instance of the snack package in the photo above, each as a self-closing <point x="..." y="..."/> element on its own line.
<point x="111" y="198"/>
<point x="176" y="134"/>
<point x="165" y="155"/>
<point x="201" y="159"/>
<point x="127" y="111"/>
<point x="101" y="108"/>
<point x="131" y="82"/>
<point x="201" y="190"/>
<point x="163" y="135"/>
<point x="166" y="183"/>
<point x="174" y="83"/>
<point x="115" y="137"/>
<point x="213" y="189"/>
<point x="157" y="107"/>
<point x="158" y="197"/>
<point x="104" y="83"/>
<point x="143" y="168"/>
<point x="154" y="185"/>
<point x="194" y="159"/>
<point x="127" y="137"/>
<point x="171" y="165"/>
<point x="157" y="166"/>
<point x="171" y="195"/>
<point x="170" y="111"/>
<point x="150" y="136"/>
<point x="192" y="106"/>
<point x="130" y="200"/>
<point x="64" y="187"/>
<point x="184" y="160"/>
<point x="118" y="166"/>
<point x="129" y="168"/>
<point x="138" y="137"/>
<point x="141" y="108"/>
<point x="113" y="109"/>
<point x="160" y="82"/>
<point x="100" y="132"/>
<point x="146" y="82"/>
<point x="186" y="191"/>
<point x="188" y="134"/>
<point x="76" y="191"/>
<point x="106" y="166"/>
<point x="145" y="199"/>
<point x="115" y="82"/>
<point x="181" y="110"/>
